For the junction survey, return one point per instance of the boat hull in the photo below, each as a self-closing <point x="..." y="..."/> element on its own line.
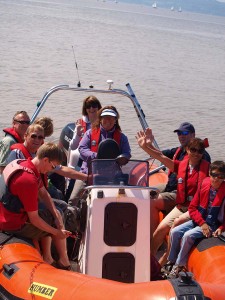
<point x="34" y="279"/>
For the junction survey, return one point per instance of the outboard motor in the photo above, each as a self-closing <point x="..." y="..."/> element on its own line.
<point x="66" y="136"/>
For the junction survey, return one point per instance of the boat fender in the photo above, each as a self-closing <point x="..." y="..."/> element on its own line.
<point x="186" y="288"/>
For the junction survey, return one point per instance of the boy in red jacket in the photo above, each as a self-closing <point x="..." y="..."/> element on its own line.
<point x="206" y="210"/>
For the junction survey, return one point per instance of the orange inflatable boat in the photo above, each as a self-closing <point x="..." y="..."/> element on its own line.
<point x="24" y="275"/>
<point x="113" y="256"/>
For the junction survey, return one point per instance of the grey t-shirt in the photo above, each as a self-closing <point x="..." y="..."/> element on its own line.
<point x="5" y="145"/>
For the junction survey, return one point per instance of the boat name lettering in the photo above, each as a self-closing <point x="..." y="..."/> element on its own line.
<point x="42" y="290"/>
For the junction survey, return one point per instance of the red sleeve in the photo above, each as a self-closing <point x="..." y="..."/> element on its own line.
<point x="25" y="186"/>
<point x="193" y="209"/>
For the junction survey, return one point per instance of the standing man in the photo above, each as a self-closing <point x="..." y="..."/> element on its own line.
<point x="14" y="134"/>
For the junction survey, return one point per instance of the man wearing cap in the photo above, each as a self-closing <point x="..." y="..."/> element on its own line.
<point x="14" y="134"/>
<point x="106" y="126"/>
<point x="166" y="199"/>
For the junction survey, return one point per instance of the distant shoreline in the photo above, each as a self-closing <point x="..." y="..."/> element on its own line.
<point x="212" y="7"/>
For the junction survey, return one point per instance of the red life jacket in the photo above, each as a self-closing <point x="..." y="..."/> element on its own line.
<point x="95" y="137"/>
<point x="22" y="148"/>
<point x="14" y="134"/>
<point x="10" y="201"/>
<point x="182" y="173"/>
<point x="84" y="124"/>
<point x="27" y="154"/>
<point x="199" y="205"/>
<point x="176" y="154"/>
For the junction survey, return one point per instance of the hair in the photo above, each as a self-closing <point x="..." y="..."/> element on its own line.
<point x="47" y="124"/>
<point x="96" y="124"/>
<point x="90" y="99"/>
<point x="34" y="127"/>
<point x="217" y="165"/>
<point x="20" y="112"/>
<point x="196" y="143"/>
<point x="51" y="151"/>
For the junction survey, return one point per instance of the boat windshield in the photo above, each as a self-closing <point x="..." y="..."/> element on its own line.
<point x="110" y="172"/>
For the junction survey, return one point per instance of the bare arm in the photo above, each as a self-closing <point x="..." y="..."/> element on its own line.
<point x="145" y="140"/>
<point x="47" y="200"/>
<point x="71" y="173"/>
<point x="38" y="222"/>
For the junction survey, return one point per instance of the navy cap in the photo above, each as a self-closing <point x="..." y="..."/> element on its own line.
<point x="186" y="126"/>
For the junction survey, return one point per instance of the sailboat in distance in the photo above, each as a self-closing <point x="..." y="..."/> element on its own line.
<point x="154" y="5"/>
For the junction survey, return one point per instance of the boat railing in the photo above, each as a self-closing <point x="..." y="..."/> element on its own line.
<point x="64" y="87"/>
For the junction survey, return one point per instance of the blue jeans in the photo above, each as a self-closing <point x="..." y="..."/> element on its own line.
<point x="182" y="239"/>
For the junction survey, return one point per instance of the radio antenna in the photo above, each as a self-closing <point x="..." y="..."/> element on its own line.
<point x="75" y="62"/>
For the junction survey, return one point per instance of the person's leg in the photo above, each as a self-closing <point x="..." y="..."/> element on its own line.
<point x="164" y="202"/>
<point x="156" y="205"/>
<point x="178" y="221"/>
<point x="163" y="229"/>
<point x="46" y="249"/>
<point x="61" y="248"/>
<point x="187" y="242"/>
<point x="76" y="192"/>
<point x="176" y="235"/>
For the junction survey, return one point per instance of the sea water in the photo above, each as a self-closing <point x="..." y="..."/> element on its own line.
<point x="175" y="63"/>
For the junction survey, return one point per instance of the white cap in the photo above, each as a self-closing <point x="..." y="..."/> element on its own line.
<point x="108" y="112"/>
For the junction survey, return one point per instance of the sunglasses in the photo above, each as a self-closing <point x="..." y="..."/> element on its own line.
<point x="22" y="122"/>
<point x="53" y="166"/>
<point x="93" y="105"/>
<point x="39" y="137"/>
<point x="217" y="175"/>
<point x="195" y="150"/>
<point x="182" y="133"/>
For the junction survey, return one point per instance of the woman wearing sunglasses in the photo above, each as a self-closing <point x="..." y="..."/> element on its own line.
<point x="207" y="218"/>
<point x="106" y="126"/>
<point x="90" y="107"/>
<point x="190" y="174"/>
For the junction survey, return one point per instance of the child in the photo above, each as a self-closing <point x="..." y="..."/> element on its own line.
<point x="207" y="218"/>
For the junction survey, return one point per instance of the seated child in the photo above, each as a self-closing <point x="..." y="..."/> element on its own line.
<point x="207" y="218"/>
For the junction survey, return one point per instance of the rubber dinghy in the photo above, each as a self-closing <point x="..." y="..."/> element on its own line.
<point x="24" y="275"/>
<point x="112" y="254"/>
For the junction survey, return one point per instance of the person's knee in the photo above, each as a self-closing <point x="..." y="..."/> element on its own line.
<point x="158" y="203"/>
<point x="162" y="229"/>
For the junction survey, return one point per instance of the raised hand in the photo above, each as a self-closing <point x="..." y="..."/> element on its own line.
<point x="79" y="128"/>
<point x="149" y="135"/>
<point x="141" y="139"/>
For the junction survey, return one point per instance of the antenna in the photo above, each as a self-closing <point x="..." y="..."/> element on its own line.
<point x="75" y="62"/>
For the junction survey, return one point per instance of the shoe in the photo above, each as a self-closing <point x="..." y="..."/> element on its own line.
<point x="58" y="265"/>
<point x="167" y="268"/>
<point x="175" y="271"/>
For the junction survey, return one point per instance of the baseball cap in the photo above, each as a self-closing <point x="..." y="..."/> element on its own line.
<point x="108" y="112"/>
<point x="186" y="126"/>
